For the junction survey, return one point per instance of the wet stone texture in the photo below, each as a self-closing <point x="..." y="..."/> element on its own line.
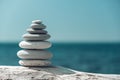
<point x="50" y="73"/>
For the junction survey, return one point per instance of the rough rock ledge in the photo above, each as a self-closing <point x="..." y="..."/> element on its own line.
<point x="50" y="73"/>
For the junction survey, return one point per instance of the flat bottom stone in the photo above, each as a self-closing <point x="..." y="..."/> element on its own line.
<point x="50" y="73"/>
<point x="34" y="63"/>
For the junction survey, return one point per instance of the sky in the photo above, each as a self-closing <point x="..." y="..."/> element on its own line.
<point x="66" y="20"/>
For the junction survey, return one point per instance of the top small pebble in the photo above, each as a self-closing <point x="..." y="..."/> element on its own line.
<point x="37" y="22"/>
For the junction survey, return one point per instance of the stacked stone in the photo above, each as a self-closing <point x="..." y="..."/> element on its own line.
<point x="35" y="45"/>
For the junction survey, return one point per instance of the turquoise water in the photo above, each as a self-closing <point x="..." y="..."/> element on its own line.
<point x="96" y="57"/>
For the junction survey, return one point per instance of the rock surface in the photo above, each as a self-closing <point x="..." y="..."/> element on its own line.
<point x="34" y="62"/>
<point x="35" y="45"/>
<point x="39" y="31"/>
<point x="50" y="73"/>
<point x="38" y="26"/>
<point x="34" y="54"/>
<point x="37" y="21"/>
<point x="36" y="37"/>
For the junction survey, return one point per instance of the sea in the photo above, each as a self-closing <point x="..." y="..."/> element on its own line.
<point x="88" y="57"/>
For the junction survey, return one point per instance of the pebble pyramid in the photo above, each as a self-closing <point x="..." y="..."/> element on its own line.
<point x="34" y="46"/>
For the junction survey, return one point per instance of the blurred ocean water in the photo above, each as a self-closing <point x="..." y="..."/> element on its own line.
<point x="90" y="57"/>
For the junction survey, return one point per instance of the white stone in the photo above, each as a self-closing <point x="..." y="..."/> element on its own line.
<point x="36" y="36"/>
<point x="39" y="31"/>
<point x="37" y="21"/>
<point x="34" y="54"/>
<point x="38" y="26"/>
<point x="34" y="63"/>
<point x="35" y="44"/>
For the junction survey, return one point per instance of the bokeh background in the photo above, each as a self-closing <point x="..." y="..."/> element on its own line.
<point x="85" y="33"/>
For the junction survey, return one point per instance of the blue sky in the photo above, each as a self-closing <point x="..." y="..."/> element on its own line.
<point x="66" y="20"/>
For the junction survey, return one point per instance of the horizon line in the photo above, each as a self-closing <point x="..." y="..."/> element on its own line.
<point x="67" y="41"/>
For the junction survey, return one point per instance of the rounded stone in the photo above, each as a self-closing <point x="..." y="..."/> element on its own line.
<point x="35" y="44"/>
<point x="39" y="31"/>
<point x="34" y="63"/>
<point x="38" y="26"/>
<point x="34" y="54"/>
<point x="37" y="21"/>
<point x="35" y="37"/>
